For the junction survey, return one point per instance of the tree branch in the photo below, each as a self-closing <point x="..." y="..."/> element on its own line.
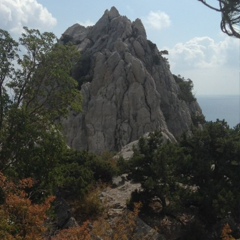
<point x="206" y="4"/>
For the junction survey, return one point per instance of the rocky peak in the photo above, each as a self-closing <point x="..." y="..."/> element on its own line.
<point x="113" y="13"/>
<point x="127" y="87"/>
<point x="138" y="28"/>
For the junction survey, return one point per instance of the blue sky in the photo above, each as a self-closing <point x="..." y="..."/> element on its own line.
<point x="190" y="31"/>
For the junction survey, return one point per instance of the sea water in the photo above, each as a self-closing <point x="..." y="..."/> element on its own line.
<point x="222" y="107"/>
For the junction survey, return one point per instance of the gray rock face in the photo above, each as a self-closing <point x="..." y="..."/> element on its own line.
<point x="127" y="87"/>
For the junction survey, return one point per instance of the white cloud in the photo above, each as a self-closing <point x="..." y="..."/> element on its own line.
<point x="14" y="14"/>
<point x="157" y="20"/>
<point x="204" y="52"/>
<point x="87" y="23"/>
<point x="212" y="65"/>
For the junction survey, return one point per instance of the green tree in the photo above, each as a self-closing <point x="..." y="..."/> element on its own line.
<point x="199" y="175"/>
<point x="76" y="172"/>
<point x="36" y="89"/>
<point x="8" y="53"/>
<point x="210" y="167"/>
<point x="185" y="87"/>
<point x="152" y="165"/>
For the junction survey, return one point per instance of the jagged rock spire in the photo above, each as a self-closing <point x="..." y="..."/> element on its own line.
<point x="127" y="87"/>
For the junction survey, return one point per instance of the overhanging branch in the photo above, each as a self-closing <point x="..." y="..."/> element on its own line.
<point x="230" y="10"/>
<point x="208" y="5"/>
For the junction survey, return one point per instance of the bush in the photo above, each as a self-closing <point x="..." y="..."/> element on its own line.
<point x="90" y="207"/>
<point x="20" y="217"/>
<point x="103" y="170"/>
<point x="75" y="233"/>
<point x="77" y="172"/>
<point x="185" y="87"/>
<point x="122" y="166"/>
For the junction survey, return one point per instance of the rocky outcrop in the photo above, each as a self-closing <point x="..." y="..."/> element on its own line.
<point x="127" y="87"/>
<point x="64" y="218"/>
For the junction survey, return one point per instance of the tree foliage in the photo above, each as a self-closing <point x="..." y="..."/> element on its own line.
<point x="199" y="175"/>
<point x="20" y="218"/>
<point x="76" y="172"/>
<point x="36" y="88"/>
<point x="211" y="165"/>
<point x="230" y="10"/>
<point x="186" y="87"/>
<point x="153" y="166"/>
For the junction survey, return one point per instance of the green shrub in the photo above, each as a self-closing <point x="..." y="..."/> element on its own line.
<point x="122" y="166"/>
<point x="186" y="87"/>
<point x="78" y="171"/>
<point x="103" y="167"/>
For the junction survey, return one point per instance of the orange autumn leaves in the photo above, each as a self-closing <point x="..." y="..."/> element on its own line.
<point x="20" y="218"/>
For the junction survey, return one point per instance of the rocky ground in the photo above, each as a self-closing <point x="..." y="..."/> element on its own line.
<point x="116" y="197"/>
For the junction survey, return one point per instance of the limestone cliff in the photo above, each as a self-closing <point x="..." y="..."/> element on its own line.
<point x="127" y="87"/>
